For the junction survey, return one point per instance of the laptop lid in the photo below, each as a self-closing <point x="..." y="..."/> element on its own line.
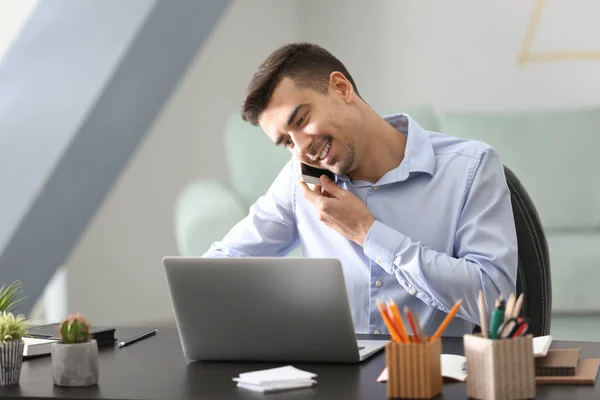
<point x="261" y="309"/>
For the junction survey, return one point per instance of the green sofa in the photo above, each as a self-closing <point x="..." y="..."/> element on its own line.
<point x="551" y="152"/>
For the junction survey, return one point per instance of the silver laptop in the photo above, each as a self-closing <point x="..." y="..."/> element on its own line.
<point x="264" y="309"/>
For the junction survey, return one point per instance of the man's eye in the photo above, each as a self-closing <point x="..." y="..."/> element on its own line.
<point x="288" y="143"/>
<point x="301" y="120"/>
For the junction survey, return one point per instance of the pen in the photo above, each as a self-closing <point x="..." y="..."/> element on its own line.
<point x="138" y="338"/>
<point x="483" y="315"/>
<point x="497" y="318"/>
<point x="447" y="320"/>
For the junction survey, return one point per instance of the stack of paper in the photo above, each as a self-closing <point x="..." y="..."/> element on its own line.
<point x="275" y="379"/>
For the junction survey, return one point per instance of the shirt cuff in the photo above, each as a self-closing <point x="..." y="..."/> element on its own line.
<point x="382" y="244"/>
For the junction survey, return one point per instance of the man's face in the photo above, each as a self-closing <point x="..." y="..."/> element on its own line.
<point x="320" y="130"/>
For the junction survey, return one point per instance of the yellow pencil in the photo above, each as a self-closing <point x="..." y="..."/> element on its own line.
<point x="388" y="323"/>
<point x="397" y="321"/>
<point x="447" y="320"/>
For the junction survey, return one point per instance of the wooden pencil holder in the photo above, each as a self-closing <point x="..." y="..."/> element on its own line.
<point x="414" y="370"/>
<point x="500" y="369"/>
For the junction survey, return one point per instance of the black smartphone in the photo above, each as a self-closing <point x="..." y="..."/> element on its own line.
<point x="313" y="175"/>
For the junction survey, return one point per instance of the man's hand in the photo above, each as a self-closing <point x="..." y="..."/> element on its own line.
<point x="340" y="209"/>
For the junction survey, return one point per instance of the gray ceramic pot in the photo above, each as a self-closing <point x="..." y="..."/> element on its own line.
<point x="75" y="364"/>
<point x="11" y="359"/>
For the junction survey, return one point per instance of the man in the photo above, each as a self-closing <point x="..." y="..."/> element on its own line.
<point x="416" y="216"/>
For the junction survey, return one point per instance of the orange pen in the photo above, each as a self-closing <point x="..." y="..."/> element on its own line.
<point x="447" y="320"/>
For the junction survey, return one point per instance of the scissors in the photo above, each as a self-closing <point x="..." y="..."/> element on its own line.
<point x="513" y="327"/>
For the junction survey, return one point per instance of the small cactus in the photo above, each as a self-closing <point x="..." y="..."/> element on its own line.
<point x="75" y="329"/>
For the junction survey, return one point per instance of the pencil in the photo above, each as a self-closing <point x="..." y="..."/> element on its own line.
<point x="396" y="320"/>
<point x="518" y="305"/>
<point x="388" y="323"/>
<point x="420" y="335"/>
<point x="510" y="305"/>
<point x="413" y="324"/>
<point x="447" y="320"/>
<point x="483" y="315"/>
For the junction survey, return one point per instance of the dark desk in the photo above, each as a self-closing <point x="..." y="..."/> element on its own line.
<point x="155" y="369"/>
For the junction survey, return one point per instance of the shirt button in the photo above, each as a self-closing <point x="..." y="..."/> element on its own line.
<point x="376" y="331"/>
<point x="378" y="262"/>
<point x="375" y="188"/>
<point x="413" y="291"/>
<point x="378" y="283"/>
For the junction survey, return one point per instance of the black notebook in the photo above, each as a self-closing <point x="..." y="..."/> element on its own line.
<point x="102" y="335"/>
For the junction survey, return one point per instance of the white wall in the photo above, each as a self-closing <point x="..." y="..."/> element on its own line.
<point x="460" y="54"/>
<point x="454" y="55"/>
<point x="115" y="274"/>
<point x="13" y="15"/>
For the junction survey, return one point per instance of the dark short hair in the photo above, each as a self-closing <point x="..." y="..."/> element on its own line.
<point x="307" y="64"/>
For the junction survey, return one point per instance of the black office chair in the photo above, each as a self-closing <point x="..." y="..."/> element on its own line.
<point x="533" y="268"/>
<point x="533" y="271"/>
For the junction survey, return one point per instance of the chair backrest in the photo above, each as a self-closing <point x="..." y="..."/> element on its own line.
<point x="533" y="273"/>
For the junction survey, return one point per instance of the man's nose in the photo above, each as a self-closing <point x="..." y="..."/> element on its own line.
<point x="302" y="144"/>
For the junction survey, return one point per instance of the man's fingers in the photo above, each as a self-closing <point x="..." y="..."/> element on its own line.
<point x="330" y="187"/>
<point x="310" y="195"/>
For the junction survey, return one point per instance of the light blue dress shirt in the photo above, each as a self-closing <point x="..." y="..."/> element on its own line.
<point x="444" y="230"/>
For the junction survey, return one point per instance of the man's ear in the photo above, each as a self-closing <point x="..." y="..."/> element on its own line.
<point x="338" y="83"/>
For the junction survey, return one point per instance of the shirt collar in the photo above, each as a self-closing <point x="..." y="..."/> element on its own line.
<point x="418" y="155"/>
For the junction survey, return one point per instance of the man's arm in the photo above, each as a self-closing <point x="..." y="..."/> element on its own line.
<point x="269" y="230"/>
<point x="485" y="249"/>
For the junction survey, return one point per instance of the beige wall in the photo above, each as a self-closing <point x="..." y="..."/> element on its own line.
<point x="115" y="274"/>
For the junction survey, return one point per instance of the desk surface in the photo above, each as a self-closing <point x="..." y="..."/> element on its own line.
<point x="155" y="368"/>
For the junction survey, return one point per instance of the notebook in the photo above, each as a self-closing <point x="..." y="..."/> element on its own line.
<point x="541" y="344"/>
<point x="102" y="335"/>
<point x="585" y="374"/>
<point x="36" y="347"/>
<point x="558" y="362"/>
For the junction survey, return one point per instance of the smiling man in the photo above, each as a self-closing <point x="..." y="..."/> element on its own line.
<point x="414" y="215"/>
